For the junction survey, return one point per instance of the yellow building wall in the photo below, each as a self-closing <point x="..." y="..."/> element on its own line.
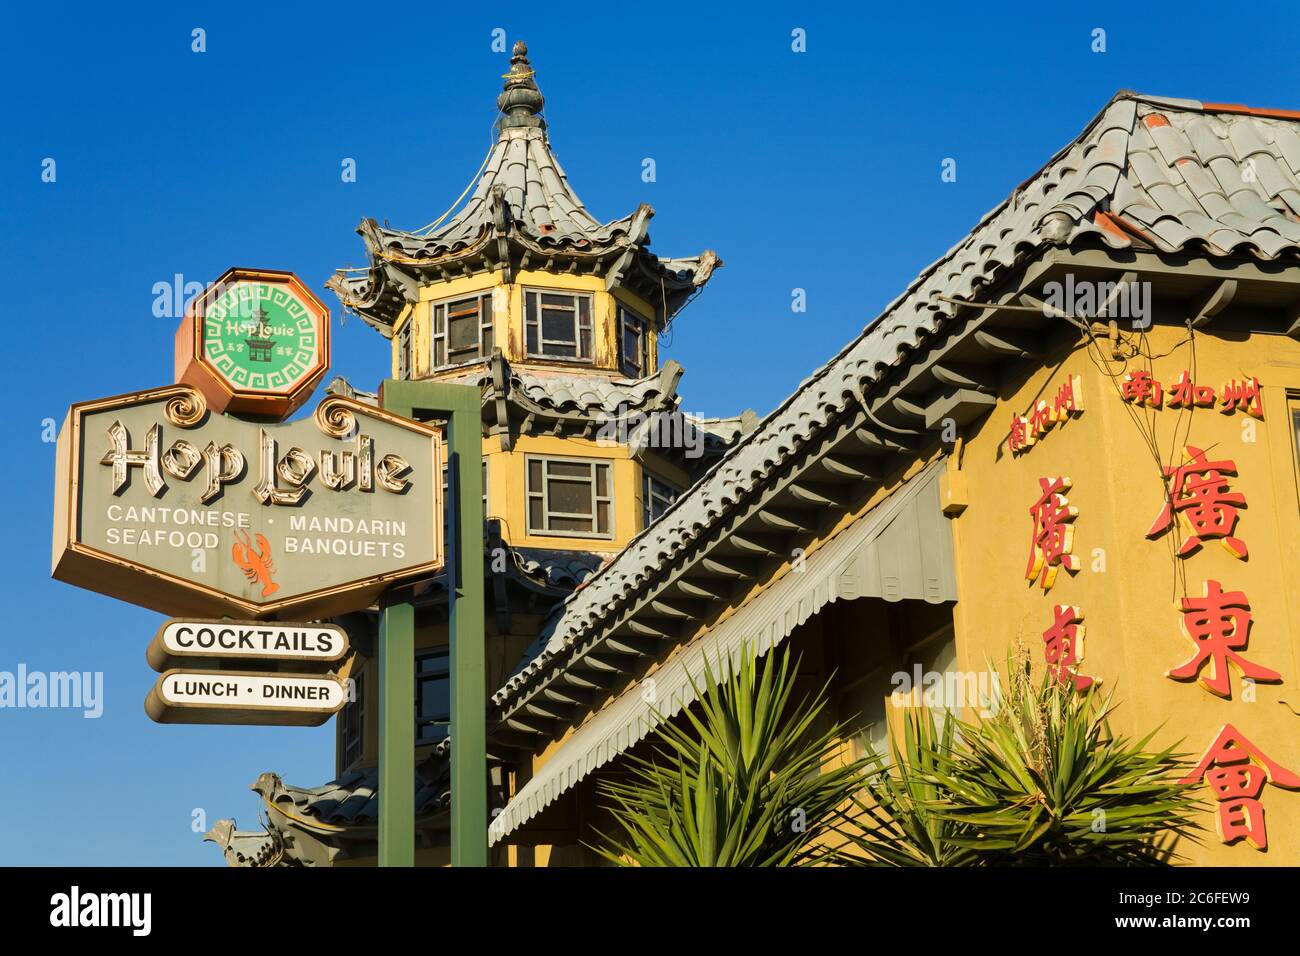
<point x="508" y="318"/>
<point x="508" y="493"/>
<point x="1128" y="585"/>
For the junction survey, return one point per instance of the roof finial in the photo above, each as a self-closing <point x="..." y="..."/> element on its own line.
<point x="521" y="100"/>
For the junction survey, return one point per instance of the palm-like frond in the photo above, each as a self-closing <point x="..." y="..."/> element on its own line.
<point x="743" y="781"/>
<point x="895" y="820"/>
<point x="1048" y="781"/>
<point x="1043" y="781"/>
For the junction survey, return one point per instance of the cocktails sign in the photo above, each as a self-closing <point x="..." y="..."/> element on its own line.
<point x="185" y="642"/>
<point x="165" y="504"/>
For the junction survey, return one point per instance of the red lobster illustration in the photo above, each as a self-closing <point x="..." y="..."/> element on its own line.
<point x="257" y="565"/>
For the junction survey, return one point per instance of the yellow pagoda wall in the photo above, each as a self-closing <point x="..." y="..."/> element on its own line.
<point x="508" y="319"/>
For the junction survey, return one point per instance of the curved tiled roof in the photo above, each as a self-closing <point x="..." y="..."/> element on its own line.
<point x="353" y="799"/>
<point x="564" y="391"/>
<point x="1172" y="175"/>
<point x="537" y="197"/>
<point x="326" y="813"/>
<point x="523" y="197"/>
<point x="594" y="394"/>
<point x="1177" y="174"/>
<point x="559" y="569"/>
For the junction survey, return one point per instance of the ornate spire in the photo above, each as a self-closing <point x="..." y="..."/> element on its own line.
<point x="521" y="206"/>
<point x="521" y="100"/>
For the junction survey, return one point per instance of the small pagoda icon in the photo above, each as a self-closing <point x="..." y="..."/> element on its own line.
<point x="260" y="346"/>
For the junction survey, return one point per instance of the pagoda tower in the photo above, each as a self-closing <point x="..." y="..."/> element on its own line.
<point x="556" y="316"/>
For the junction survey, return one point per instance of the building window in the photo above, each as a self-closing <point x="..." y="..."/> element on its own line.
<point x="570" y="496"/>
<point x="633" y="344"/>
<point x="352" y="724"/>
<point x="461" y="330"/>
<point x="656" y="496"/>
<point x="404" y="350"/>
<point x="557" y="325"/>
<point x="432" y="696"/>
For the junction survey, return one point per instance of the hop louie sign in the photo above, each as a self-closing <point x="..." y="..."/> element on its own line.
<point x="165" y="501"/>
<point x="166" y="505"/>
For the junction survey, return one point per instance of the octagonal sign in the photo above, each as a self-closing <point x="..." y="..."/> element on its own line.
<point x="162" y="503"/>
<point x="256" y="342"/>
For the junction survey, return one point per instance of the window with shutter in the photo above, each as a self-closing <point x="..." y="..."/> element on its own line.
<point x="557" y="325"/>
<point x="461" y="330"/>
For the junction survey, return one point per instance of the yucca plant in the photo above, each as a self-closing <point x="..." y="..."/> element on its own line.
<point x="742" y="780"/>
<point x="1043" y="781"/>
<point x="895" y="819"/>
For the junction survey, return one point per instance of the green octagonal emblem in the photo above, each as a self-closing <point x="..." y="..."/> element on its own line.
<point x="257" y="341"/>
<point x="260" y="336"/>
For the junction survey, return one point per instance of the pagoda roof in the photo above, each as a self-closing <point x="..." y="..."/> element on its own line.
<point x="523" y="172"/>
<point x="541" y="400"/>
<point x="315" y="826"/>
<point x="521" y="212"/>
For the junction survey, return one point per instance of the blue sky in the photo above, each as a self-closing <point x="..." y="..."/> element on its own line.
<point x="817" y="170"/>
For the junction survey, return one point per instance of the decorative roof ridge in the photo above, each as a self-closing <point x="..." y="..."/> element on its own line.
<point x="1125" y="96"/>
<point x="339" y="385"/>
<point x="612" y="394"/>
<point x="1199" y="106"/>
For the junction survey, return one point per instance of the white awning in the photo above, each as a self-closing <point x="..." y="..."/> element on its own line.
<point x="902" y="549"/>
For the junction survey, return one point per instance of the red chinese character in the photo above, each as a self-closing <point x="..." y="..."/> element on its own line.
<point x="1140" y="387"/>
<point x="1027" y="429"/>
<point x="1184" y="394"/>
<point x="1199" y="494"/>
<point x="1244" y="397"/>
<point x="1041" y="419"/>
<point x="1064" y="647"/>
<point x="1219" y="625"/>
<point x="1069" y="398"/>
<point x="1053" y="533"/>
<point x="1020" y="437"/>
<point x="1235" y="771"/>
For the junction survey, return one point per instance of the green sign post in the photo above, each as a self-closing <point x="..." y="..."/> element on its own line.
<point x="460" y="407"/>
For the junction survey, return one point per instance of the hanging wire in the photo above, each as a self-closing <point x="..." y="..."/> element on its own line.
<point x="1145" y="419"/>
<point x="492" y="144"/>
<point x="424" y="230"/>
